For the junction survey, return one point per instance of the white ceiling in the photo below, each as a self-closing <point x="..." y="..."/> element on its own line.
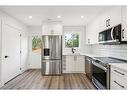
<point x="70" y="15"/>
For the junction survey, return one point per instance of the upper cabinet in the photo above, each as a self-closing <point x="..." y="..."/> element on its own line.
<point x="52" y="28"/>
<point x="124" y="23"/>
<point x="91" y="32"/>
<point x="109" y="17"/>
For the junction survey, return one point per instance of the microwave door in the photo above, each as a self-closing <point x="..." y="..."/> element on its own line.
<point x="102" y="36"/>
<point x="108" y="34"/>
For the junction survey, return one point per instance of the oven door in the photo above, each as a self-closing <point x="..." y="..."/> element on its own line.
<point x="100" y="76"/>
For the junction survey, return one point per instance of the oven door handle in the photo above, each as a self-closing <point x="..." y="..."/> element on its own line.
<point x="100" y="66"/>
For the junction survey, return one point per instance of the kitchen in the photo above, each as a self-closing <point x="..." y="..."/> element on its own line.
<point x="57" y="48"/>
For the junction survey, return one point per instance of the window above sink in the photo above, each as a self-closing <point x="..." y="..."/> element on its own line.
<point x="71" y="40"/>
<point x="73" y="37"/>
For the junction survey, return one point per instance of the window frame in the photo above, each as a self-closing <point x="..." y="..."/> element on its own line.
<point x="31" y="42"/>
<point x="72" y="32"/>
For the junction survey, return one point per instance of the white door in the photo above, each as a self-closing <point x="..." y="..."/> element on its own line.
<point x="11" y="53"/>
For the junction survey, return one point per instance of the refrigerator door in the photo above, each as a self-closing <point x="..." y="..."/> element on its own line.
<point x="51" y="67"/>
<point x="52" y="45"/>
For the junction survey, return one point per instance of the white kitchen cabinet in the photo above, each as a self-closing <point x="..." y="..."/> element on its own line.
<point x="114" y="14"/>
<point x="111" y="15"/>
<point x="52" y="28"/>
<point x="124" y="23"/>
<point x="118" y="78"/>
<point x="74" y="64"/>
<point x="70" y="64"/>
<point x="92" y="30"/>
<point x="80" y="64"/>
<point x="0" y="50"/>
<point x="109" y="18"/>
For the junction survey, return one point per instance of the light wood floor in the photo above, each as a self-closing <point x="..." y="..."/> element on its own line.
<point x="32" y="79"/>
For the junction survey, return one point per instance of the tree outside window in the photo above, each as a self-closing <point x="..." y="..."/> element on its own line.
<point x="36" y="44"/>
<point x="71" y="40"/>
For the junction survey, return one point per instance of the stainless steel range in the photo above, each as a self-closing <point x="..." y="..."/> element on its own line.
<point x="101" y="71"/>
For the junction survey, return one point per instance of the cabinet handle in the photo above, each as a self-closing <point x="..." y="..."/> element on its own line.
<point x="119" y="72"/>
<point x="122" y="33"/>
<point x="119" y="84"/>
<point x="6" y="56"/>
<point x="88" y="41"/>
<point x="88" y="59"/>
<point x="107" y="22"/>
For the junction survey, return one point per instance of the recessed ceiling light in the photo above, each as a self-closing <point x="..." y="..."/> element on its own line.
<point x="30" y="17"/>
<point x="58" y="16"/>
<point x="82" y="16"/>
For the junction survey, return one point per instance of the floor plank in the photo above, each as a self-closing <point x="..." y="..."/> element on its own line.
<point x="32" y="79"/>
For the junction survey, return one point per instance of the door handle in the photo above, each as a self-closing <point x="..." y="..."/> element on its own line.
<point x="6" y="56"/>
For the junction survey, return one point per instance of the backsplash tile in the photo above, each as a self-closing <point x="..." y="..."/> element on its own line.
<point x="118" y="51"/>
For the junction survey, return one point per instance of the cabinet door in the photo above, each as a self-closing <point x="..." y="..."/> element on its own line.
<point x="114" y="14"/>
<point x="70" y="64"/>
<point x="46" y="29"/>
<point x="124" y="23"/>
<point x="88" y="30"/>
<point x="110" y="17"/>
<point x="92" y="32"/>
<point x="52" y="28"/>
<point x="80" y="64"/>
<point x="0" y="44"/>
<point x="118" y="78"/>
<point x="57" y="28"/>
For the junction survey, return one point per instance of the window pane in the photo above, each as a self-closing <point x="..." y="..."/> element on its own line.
<point x="36" y="44"/>
<point x="71" y="40"/>
<point x="75" y="40"/>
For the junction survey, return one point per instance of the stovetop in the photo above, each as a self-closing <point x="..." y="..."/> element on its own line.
<point x="106" y="60"/>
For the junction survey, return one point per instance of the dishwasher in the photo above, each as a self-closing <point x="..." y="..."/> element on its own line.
<point x="88" y="67"/>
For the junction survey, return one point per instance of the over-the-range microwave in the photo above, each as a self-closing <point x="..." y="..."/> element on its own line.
<point x="112" y="35"/>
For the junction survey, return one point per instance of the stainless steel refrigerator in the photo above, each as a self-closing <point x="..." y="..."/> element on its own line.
<point x="51" y="55"/>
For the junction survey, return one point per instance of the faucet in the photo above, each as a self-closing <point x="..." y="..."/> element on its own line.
<point x="73" y="50"/>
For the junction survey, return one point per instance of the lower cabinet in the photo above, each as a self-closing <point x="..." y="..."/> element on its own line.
<point x="118" y="78"/>
<point x="73" y="64"/>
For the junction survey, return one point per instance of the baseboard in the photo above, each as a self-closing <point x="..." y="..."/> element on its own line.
<point x="73" y="72"/>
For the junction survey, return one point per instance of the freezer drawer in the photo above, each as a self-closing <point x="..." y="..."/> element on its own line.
<point x="51" y="67"/>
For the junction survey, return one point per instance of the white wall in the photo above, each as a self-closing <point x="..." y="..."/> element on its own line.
<point x="117" y="51"/>
<point x="34" y="58"/>
<point x="12" y="22"/>
<point x="24" y="51"/>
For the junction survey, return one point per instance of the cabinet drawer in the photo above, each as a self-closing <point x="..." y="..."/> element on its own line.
<point x="119" y="72"/>
<point x="117" y="82"/>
